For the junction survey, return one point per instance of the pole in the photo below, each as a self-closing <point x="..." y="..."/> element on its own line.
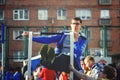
<point x="2" y="61"/>
<point x="86" y="33"/>
<point x="25" y="41"/>
<point x="104" y="41"/>
<point x="71" y="53"/>
<point x="3" y="29"/>
<point x="29" y="55"/>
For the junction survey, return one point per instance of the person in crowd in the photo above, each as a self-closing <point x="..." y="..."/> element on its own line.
<point x="47" y="74"/>
<point x="36" y="72"/>
<point x="95" y="68"/>
<point x="63" y="76"/>
<point x="85" y="69"/>
<point x="114" y="66"/>
<point x="118" y="71"/>
<point x="17" y="75"/>
<point x="9" y="74"/>
<point x="106" y="74"/>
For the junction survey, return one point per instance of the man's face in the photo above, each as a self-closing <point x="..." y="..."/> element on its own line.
<point x="83" y="65"/>
<point x="88" y="64"/>
<point x="75" y="25"/>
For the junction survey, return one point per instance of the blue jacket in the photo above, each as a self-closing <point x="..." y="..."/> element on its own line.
<point x="79" y="46"/>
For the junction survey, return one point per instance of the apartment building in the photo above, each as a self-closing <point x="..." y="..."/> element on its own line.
<point x="98" y="16"/>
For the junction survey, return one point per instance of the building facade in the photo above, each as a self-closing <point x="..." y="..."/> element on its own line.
<point x="101" y="18"/>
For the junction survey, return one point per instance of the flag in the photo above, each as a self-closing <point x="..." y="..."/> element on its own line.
<point x="3" y="26"/>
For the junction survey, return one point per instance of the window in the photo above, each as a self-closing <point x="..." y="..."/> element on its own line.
<point x="96" y="51"/>
<point x="42" y="14"/>
<point x="1" y="15"/>
<point x="61" y="14"/>
<point x="16" y="33"/>
<point x="2" y="1"/>
<point x="20" y="14"/>
<point x="84" y="14"/>
<point x="18" y="56"/>
<point x="89" y="34"/>
<point x="107" y="35"/>
<point x="105" y="14"/>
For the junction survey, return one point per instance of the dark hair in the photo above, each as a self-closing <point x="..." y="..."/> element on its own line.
<point x="82" y="59"/>
<point x="109" y="71"/>
<point x="78" y="18"/>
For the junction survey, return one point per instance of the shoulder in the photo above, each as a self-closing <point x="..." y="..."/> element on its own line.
<point x="82" y="35"/>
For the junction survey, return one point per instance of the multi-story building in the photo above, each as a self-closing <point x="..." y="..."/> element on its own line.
<point x="98" y="16"/>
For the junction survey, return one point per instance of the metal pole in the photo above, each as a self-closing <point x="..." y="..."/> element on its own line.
<point x="104" y="41"/>
<point x="71" y="52"/>
<point x="29" y="55"/>
<point x="2" y="61"/>
<point x="25" y="44"/>
<point x="86" y="33"/>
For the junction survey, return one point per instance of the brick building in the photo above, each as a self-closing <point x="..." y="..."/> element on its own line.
<point x="55" y="15"/>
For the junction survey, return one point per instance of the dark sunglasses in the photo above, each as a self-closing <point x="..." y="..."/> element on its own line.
<point x="76" y="23"/>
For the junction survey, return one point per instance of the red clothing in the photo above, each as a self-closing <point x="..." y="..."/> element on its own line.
<point x="63" y="76"/>
<point x="47" y="74"/>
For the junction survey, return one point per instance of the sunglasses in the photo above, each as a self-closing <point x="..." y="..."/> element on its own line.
<point x="76" y="23"/>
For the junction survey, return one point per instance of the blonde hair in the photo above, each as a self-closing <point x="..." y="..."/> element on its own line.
<point x="89" y="58"/>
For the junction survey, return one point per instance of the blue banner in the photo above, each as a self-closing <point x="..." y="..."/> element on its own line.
<point x="3" y="26"/>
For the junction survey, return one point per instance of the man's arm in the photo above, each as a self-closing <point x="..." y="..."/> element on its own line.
<point x="79" y="74"/>
<point x="47" y="39"/>
<point x="44" y="39"/>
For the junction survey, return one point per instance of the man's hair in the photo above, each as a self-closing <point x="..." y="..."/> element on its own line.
<point x="89" y="58"/>
<point x="77" y="18"/>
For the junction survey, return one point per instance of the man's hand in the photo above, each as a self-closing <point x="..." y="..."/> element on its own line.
<point x="25" y="34"/>
<point x="71" y="67"/>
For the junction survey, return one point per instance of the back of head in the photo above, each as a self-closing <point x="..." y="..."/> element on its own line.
<point x="110" y="72"/>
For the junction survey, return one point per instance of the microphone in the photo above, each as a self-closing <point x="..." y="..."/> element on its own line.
<point x="19" y="36"/>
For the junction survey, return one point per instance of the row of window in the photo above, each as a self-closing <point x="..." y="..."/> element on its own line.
<point x="84" y="14"/>
<point x="19" y="55"/>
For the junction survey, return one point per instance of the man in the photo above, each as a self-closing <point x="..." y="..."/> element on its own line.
<point x="63" y="45"/>
<point x="95" y="68"/>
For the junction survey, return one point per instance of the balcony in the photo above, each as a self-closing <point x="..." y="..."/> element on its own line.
<point x="2" y="2"/>
<point x="105" y="2"/>
<point x="109" y="43"/>
<point x="106" y="22"/>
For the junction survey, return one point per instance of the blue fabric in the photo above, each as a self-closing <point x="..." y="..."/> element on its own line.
<point x="8" y="76"/>
<point x="34" y="63"/>
<point x="79" y="46"/>
<point x="0" y="75"/>
<point x="17" y="76"/>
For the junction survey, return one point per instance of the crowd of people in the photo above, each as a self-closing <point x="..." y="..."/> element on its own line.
<point x="58" y="67"/>
<point x="96" y="71"/>
<point x="91" y="70"/>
